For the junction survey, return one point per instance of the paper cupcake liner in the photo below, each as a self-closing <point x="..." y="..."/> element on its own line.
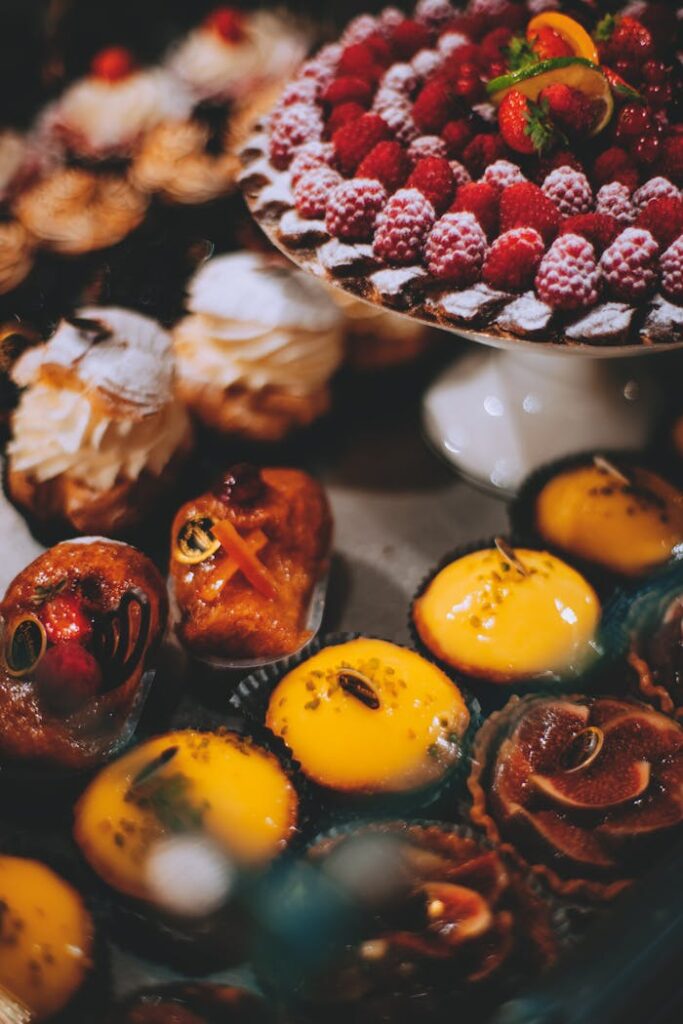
<point x="522" y="519"/>
<point x="631" y="616"/>
<point x="251" y="700"/>
<point x="551" y="925"/>
<point x="492" y="694"/>
<point x="580" y="895"/>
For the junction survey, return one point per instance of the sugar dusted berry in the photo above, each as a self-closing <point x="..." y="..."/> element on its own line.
<point x="353" y="208"/>
<point x="388" y="162"/>
<point x="672" y="271"/>
<point x="345" y="113"/>
<point x="461" y="176"/>
<point x="503" y="173"/>
<point x="456" y="249"/>
<point x="568" y="277"/>
<point x="402" y="227"/>
<point x="513" y="259"/>
<point x="400" y="78"/>
<point x="432" y="176"/>
<point x="655" y="188"/>
<point x="615" y="200"/>
<point x="570" y="191"/>
<point x="291" y="128"/>
<point x="310" y="157"/>
<point x="483" y="150"/>
<point x="426" y="145"/>
<point x="358" y="61"/>
<point x="434" y="13"/>
<point x="527" y="206"/>
<point x="482" y="200"/>
<point x="354" y="141"/>
<point x="630" y="265"/>
<point x="456" y="135"/>
<point x="599" y="228"/>
<point x="313" y="189"/>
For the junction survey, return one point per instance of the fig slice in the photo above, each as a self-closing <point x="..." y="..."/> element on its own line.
<point x="486" y="874"/>
<point x="455" y="913"/>
<point x="643" y="734"/>
<point x="569" y="841"/>
<point x="597" y="788"/>
<point x="546" y="730"/>
<point x="661" y="810"/>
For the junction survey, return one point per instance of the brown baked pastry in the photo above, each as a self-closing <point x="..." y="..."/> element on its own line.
<point x="245" y="559"/>
<point x="98" y="436"/>
<point x="583" y="789"/>
<point x="82" y="624"/>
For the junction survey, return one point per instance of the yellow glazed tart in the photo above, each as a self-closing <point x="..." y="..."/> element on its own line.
<point x="626" y="523"/>
<point x="368" y="716"/>
<point x="46" y="937"/>
<point x="217" y="784"/>
<point x="508" y="617"/>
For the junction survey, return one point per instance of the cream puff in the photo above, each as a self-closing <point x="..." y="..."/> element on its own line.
<point x="175" y="160"/>
<point x="98" y="436"/>
<point x="257" y="350"/>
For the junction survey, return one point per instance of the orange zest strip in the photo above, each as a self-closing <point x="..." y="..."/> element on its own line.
<point x="227" y="567"/>
<point x="246" y="560"/>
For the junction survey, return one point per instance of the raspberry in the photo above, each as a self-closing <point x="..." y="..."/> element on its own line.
<point x="64" y="619"/>
<point x="502" y="173"/>
<point x="513" y="260"/>
<point x="433" y="107"/>
<point x="67" y="677"/>
<point x="615" y="165"/>
<point x="456" y="135"/>
<point x="493" y="44"/>
<point x="359" y="29"/>
<point x="455" y="42"/>
<point x="389" y="19"/>
<point x="568" y="276"/>
<point x="388" y="162"/>
<point x="456" y="248"/>
<point x="400" y="78"/>
<point x="599" y="228"/>
<point x="301" y="90"/>
<point x="663" y="218"/>
<point x="550" y="163"/>
<point x="399" y="118"/>
<point x="402" y="227"/>
<point x="228" y="23"/>
<point x="386" y="98"/>
<point x="426" y="63"/>
<point x="655" y="188"/>
<point x="354" y="141"/>
<point x="358" y="61"/>
<point x="380" y="48"/>
<point x="426" y="145"/>
<point x="342" y="115"/>
<point x="482" y="151"/>
<point x="409" y="37"/>
<point x="434" y="13"/>
<point x="569" y="108"/>
<point x="318" y="71"/>
<point x="348" y="90"/>
<point x="629" y="265"/>
<point x="527" y="206"/>
<point x="432" y="176"/>
<point x="615" y="199"/>
<point x="291" y="128"/>
<point x="312" y="191"/>
<point x="113" y="64"/>
<point x="570" y="191"/>
<point x="353" y="208"/>
<point x="672" y="271"/>
<point x="461" y="176"/>
<point x="634" y="120"/>
<point x="672" y="159"/>
<point x="483" y="201"/>
<point x="310" y="157"/>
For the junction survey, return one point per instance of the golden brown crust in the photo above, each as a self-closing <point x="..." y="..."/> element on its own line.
<point x="266" y="415"/>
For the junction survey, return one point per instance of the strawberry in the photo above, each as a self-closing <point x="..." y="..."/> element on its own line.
<point x="67" y="677"/>
<point x="523" y="124"/>
<point x="570" y="109"/>
<point x="548" y="44"/>
<point x="64" y="619"/>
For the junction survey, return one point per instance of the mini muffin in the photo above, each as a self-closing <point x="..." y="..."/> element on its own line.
<point x="430" y="922"/>
<point x="74" y="210"/>
<point x="508" y="616"/>
<point x="104" y="114"/>
<point x="192" y="1004"/>
<point x="584" y="789"/>
<point x="233" y="54"/>
<point x="369" y="718"/>
<point x="257" y="351"/>
<point x="245" y="560"/>
<point x="376" y="338"/>
<point x="82" y="626"/>
<point x="98" y="436"/>
<point x="47" y="941"/>
<point x="626" y="520"/>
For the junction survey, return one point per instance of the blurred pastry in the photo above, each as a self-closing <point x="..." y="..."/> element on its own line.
<point x="187" y="1003"/>
<point x="234" y="53"/>
<point x="177" y="160"/>
<point x="74" y="211"/>
<point x="377" y="338"/>
<point x="16" y="255"/>
<point x="15" y="338"/>
<point x="258" y="348"/>
<point x="245" y="560"/>
<point x="82" y="628"/>
<point x="105" y="113"/>
<point x="98" y="436"/>
<point x="47" y="941"/>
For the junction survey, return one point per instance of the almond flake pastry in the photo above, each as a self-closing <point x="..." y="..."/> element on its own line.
<point x="98" y="437"/>
<point x="501" y="168"/>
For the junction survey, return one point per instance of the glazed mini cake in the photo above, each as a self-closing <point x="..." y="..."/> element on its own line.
<point x="98" y="436"/>
<point x="47" y="937"/>
<point x="258" y="348"/>
<point x="505" y="616"/>
<point x="489" y="170"/>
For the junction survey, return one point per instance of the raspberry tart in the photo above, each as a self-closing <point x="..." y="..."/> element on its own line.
<point x="494" y="169"/>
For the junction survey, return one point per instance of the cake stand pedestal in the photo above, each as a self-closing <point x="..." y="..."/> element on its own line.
<point x="496" y="415"/>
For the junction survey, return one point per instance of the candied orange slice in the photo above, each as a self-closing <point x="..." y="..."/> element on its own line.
<point x="570" y="30"/>
<point x="238" y="549"/>
<point x="224" y="572"/>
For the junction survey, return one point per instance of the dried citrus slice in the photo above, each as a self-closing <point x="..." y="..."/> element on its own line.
<point x="571" y="31"/>
<point x="576" y="72"/>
